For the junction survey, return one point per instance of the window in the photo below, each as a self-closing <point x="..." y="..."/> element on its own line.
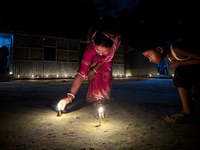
<point x="36" y="54"/>
<point x="49" y="53"/>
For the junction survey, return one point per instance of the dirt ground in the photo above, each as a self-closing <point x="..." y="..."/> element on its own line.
<point x="134" y="120"/>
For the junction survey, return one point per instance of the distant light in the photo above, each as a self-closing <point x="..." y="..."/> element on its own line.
<point x="57" y="76"/>
<point x="172" y="75"/>
<point x="32" y="75"/>
<point x="126" y="75"/>
<point x="38" y="77"/>
<point x="18" y="76"/>
<point x="100" y="110"/>
<point x="150" y="75"/>
<point x="158" y="73"/>
<point x="66" y="75"/>
<point x="46" y="75"/>
<point x="72" y="76"/>
<point x="115" y="75"/>
<point x="10" y="73"/>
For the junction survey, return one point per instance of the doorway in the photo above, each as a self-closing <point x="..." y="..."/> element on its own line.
<point x="6" y="47"/>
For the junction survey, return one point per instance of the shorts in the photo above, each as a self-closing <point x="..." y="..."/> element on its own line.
<point x="187" y="76"/>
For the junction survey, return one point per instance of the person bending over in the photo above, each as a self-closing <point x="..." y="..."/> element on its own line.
<point x="98" y="56"/>
<point x="184" y="57"/>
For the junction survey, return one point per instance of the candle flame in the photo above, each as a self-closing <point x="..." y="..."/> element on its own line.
<point x="100" y="110"/>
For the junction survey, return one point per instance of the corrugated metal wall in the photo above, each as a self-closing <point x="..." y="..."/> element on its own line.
<point x="42" y="55"/>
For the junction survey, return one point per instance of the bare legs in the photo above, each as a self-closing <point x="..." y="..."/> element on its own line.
<point x="186" y="101"/>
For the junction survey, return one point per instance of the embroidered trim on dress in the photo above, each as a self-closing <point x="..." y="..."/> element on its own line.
<point x="85" y="77"/>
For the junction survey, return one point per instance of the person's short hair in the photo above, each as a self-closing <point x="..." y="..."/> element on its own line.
<point x="151" y="42"/>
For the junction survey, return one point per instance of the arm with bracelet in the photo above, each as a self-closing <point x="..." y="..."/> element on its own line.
<point x="75" y="86"/>
<point x="91" y="73"/>
<point x="79" y="76"/>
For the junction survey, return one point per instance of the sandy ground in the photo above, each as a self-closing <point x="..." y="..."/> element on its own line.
<point x="133" y="121"/>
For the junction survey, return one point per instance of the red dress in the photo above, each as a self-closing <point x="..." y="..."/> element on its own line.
<point x="99" y="88"/>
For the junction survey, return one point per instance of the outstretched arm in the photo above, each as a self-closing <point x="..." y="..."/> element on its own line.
<point x="80" y="75"/>
<point x="76" y="84"/>
<point x="74" y="88"/>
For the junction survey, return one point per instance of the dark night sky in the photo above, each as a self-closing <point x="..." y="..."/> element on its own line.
<point x="132" y="18"/>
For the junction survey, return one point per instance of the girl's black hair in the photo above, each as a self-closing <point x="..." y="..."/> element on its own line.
<point x="101" y="39"/>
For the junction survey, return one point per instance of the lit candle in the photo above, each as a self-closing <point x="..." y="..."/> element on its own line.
<point x="59" y="111"/>
<point x="100" y="113"/>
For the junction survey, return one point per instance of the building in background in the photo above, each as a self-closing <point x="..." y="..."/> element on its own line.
<point x="26" y="55"/>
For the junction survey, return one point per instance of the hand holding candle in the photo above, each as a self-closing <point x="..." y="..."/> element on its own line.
<point x="62" y="104"/>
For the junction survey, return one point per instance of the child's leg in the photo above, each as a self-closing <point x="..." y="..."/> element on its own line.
<point x="188" y="108"/>
<point x="183" y="80"/>
<point x="185" y="96"/>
